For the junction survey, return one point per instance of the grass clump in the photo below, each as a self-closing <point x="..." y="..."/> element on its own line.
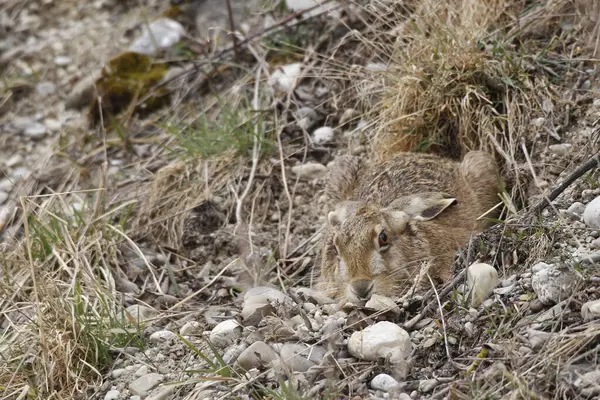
<point x="60" y="317"/>
<point x="471" y="74"/>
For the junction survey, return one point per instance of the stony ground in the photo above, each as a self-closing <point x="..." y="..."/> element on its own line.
<point x="190" y="274"/>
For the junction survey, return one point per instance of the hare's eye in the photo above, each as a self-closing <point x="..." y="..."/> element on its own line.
<point x="383" y="239"/>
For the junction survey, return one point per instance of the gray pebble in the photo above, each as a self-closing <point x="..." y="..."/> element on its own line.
<point x="35" y="131"/>
<point x="3" y="197"/>
<point x="112" y="395"/>
<point x="45" y="88"/>
<point x="142" y="385"/>
<point x="384" y="382"/>
<point x="257" y="355"/>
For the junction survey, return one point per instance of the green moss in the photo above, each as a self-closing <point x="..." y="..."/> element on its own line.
<point x="127" y="78"/>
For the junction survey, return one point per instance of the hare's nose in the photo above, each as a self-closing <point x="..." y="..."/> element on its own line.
<point x="362" y="288"/>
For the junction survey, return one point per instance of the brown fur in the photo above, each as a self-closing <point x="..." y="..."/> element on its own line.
<point x="409" y="197"/>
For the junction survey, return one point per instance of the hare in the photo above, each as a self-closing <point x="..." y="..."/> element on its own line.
<point x="393" y="215"/>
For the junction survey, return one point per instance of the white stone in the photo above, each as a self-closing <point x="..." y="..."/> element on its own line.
<point x="284" y="78"/>
<point x="116" y="373"/>
<point x="300" y="357"/>
<point x="143" y="384"/>
<point x="62" y="60"/>
<point x="591" y="310"/>
<point x="53" y="124"/>
<point x="560" y="149"/>
<point x="14" y="160"/>
<point x="141" y="371"/>
<point x="591" y="215"/>
<point x="258" y="355"/>
<point x="163" y="32"/>
<point x="162" y="336"/>
<point x="3" y="197"/>
<point x="376" y="67"/>
<point x="482" y="279"/>
<point x="137" y="313"/>
<point x="306" y="117"/>
<point x="384" y="339"/>
<point x="189" y="328"/>
<point x="45" y="88"/>
<point x="310" y="171"/>
<point x="35" y="130"/>
<point x="382" y="303"/>
<point x="226" y="333"/>
<point x="323" y="135"/>
<point x="577" y="208"/>
<point x="554" y="283"/>
<point x="112" y="395"/>
<point x="538" y="122"/>
<point x="384" y="382"/>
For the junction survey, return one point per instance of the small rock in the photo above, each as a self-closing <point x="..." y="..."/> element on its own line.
<point x="428" y="385"/>
<point x="560" y="149"/>
<point x="538" y="122"/>
<point x="232" y="353"/>
<point x="137" y="313"/>
<point x="163" y="393"/>
<point x="555" y="283"/>
<point x="382" y="303"/>
<point x="384" y="382"/>
<point x="591" y="215"/>
<point x="83" y="92"/>
<point x="323" y="135"/>
<point x="538" y="339"/>
<point x="3" y="197"/>
<point x="162" y="336"/>
<point x="159" y="34"/>
<point x="142" y="385"/>
<point x="53" y="124"/>
<point x="143" y="370"/>
<point x="285" y="77"/>
<point x="6" y="185"/>
<point x="586" y="85"/>
<point x="577" y="208"/>
<point x="45" y="88"/>
<point x="310" y="171"/>
<point x="481" y="281"/>
<point x="190" y="328"/>
<point x="300" y="357"/>
<point x="257" y="355"/>
<point x="306" y="118"/>
<point x="384" y="339"/>
<point x="226" y="333"/>
<point x="470" y="329"/>
<point x="112" y="395"/>
<point x="62" y="61"/>
<point x="590" y="310"/>
<point x="14" y="160"/>
<point x="35" y="131"/>
<point x="116" y="373"/>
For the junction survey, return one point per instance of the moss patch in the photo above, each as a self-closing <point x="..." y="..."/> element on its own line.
<point x="126" y="79"/>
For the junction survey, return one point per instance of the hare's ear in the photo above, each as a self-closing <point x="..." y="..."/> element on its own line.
<point x="423" y="206"/>
<point x="396" y="220"/>
<point x="428" y="207"/>
<point x="337" y="217"/>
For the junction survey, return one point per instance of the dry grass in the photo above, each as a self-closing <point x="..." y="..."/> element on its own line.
<point x="473" y="74"/>
<point x="461" y="74"/>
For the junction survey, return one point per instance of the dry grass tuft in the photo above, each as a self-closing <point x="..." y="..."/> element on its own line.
<point x="59" y="309"/>
<point x="472" y="74"/>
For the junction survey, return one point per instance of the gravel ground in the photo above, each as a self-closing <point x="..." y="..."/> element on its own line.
<point x="529" y="299"/>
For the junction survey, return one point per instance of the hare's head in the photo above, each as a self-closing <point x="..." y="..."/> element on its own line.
<point x="377" y="248"/>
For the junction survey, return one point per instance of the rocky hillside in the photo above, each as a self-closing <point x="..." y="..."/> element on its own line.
<point x="162" y="197"/>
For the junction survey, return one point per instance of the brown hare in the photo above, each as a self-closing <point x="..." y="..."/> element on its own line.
<point x="391" y="216"/>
